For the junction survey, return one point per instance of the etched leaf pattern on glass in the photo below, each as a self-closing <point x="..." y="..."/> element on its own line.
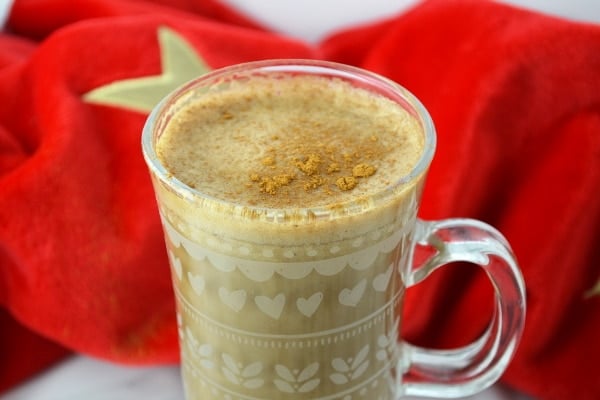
<point x="388" y="345"/>
<point x="351" y="368"/>
<point x="201" y="352"/>
<point x="296" y="381"/>
<point x="238" y="374"/>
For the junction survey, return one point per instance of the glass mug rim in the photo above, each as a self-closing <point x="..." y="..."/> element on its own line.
<point x="370" y="81"/>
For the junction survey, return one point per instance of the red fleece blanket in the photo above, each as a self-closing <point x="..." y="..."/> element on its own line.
<point x="515" y="96"/>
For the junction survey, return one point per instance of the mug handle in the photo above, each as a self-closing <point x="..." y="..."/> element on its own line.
<point x="470" y="369"/>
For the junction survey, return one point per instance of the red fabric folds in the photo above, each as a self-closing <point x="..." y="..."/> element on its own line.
<point x="515" y="97"/>
<point x="515" y="100"/>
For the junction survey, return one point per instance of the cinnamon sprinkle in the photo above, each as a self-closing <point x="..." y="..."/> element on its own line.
<point x="343" y="171"/>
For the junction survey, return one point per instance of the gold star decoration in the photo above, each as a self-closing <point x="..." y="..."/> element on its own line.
<point x="595" y="291"/>
<point x="180" y="63"/>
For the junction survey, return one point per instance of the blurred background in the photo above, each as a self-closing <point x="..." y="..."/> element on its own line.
<point x="313" y="19"/>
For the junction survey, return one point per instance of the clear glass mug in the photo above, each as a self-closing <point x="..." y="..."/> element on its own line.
<point x="269" y="309"/>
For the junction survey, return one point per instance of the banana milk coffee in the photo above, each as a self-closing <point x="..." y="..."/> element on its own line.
<point x="285" y="251"/>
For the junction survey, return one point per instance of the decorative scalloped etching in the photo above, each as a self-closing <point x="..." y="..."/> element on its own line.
<point x="262" y="271"/>
<point x="325" y="331"/>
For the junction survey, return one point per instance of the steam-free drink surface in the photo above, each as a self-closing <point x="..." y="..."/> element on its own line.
<point x="297" y="307"/>
<point x="290" y="142"/>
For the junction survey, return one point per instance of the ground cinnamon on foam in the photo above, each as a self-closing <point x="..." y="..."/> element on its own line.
<point x="298" y="142"/>
<point x="320" y="166"/>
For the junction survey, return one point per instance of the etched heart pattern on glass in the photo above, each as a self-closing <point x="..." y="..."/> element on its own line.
<point x="234" y="299"/>
<point x="197" y="283"/>
<point x="309" y="306"/>
<point x="255" y="329"/>
<point x="274" y="307"/>
<point x="271" y="306"/>
<point x="351" y="297"/>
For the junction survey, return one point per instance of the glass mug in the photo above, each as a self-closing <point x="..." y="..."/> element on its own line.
<point x="301" y="303"/>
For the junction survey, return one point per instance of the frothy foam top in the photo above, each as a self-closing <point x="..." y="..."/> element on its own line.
<point x="289" y="142"/>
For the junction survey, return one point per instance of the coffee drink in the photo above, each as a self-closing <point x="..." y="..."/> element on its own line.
<point x="288" y="192"/>
<point x="288" y="243"/>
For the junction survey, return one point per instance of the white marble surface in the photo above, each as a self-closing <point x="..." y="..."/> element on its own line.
<point x="84" y="378"/>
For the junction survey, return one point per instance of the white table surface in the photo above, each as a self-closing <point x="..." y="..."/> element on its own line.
<point x="81" y="377"/>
